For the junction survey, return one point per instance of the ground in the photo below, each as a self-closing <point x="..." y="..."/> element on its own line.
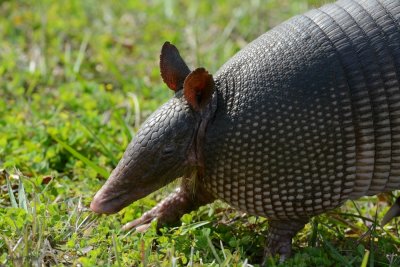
<point x="77" y="79"/>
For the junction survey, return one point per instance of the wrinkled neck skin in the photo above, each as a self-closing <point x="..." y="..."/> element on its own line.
<point x="195" y="160"/>
<point x="126" y="184"/>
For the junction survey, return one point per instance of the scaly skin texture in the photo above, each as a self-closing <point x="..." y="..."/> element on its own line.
<point x="302" y="119"/>
<point x="280" y="236"/>
<point x="309" y="113"/>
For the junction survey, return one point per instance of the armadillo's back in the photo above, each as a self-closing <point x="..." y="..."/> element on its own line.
<point x="309" y="113"/>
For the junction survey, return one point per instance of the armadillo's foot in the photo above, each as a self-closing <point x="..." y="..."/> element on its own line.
<point x="393" y="212"/>
<point x="280" y="236"/>
<point x="169" y="211"/>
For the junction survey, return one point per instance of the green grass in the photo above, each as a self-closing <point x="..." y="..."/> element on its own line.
<point x="77" y="79"/>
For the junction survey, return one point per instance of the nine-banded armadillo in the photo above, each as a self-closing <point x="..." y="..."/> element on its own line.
<point x="302" y="119"/>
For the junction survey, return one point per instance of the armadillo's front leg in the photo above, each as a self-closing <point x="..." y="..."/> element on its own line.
<point x="279" y="240"/>
<point x="183" y="200"/>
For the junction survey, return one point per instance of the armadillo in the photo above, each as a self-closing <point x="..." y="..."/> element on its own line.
<point x="300" y="120"/>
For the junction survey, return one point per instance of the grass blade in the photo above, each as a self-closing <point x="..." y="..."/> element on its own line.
<point x="106" y="150"/>
<point x="81" y="54"/>
<point x="334" y="253"/>
<point x="125" y="126"/>
<point x="114" y="241"/>
<point x="193" y="226"/>
<point x="210" y="244"/>
<point x="21" y="195"/>
<point x="10" y="190"/>
<point x="365" y="259"/>
<point x="103" y="172"/>
<point x="136" y="106"/>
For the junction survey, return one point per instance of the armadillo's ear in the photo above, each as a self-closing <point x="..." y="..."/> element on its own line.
<point x="198" y="88"/>
<point x="173" y="69"/>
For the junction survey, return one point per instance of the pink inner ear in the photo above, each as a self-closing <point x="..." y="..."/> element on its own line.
<point x="198" y="88"/>
<point x="173" y="69"/>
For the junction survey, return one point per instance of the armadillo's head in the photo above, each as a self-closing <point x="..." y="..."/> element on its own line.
<point x="162" y="150"/>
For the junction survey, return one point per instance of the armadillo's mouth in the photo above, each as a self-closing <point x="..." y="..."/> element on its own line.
<point x="116" y="193"/>
<point x="122" y="188"/>
<point x="106" y="202"/>
<point x="107" y="205"/>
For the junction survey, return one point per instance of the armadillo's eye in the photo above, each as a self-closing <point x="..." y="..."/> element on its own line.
<point x="168" y="150"/>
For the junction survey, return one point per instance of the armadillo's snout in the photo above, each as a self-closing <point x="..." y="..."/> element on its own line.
<point x="112" y="197"/>
<point x="102" y="203"/>
<point x="98" y="206"/>
<point x="118" y="192"/>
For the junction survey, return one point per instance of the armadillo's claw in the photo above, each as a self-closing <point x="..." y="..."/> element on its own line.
<point x="141" y="224"/>
<point x="140" y="228"/>
<point x="159" y="212"/>
<point x="170" y="209"/>
<point x="393" y="212"/>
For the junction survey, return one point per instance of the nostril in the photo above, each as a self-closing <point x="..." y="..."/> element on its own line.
<point x="100" y="208"/>
<point x="99" y="203"/>
<point x="105" y="202"/>
<point x="96" y="205"/>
